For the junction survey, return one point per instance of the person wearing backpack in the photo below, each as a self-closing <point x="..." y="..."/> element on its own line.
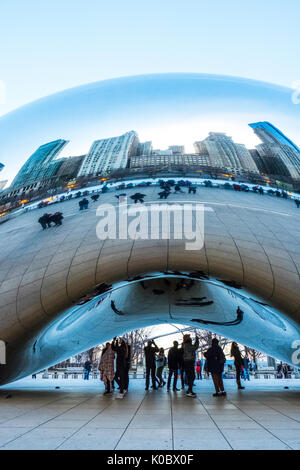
<point x="189" y="358"/>
<point x="215" y="365"/>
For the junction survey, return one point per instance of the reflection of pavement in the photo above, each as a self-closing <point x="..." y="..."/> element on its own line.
<point x="78" y="416"/>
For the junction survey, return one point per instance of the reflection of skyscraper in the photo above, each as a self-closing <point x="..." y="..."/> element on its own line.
<point x="279" y="154"/>
<point x="145" y="148"/>
<point x="40" y="164"/>
<point x="108" y="154"/>
<point x="176" y="149"/>
<point x="222" y="152"/>
<point x="269" y="134"/>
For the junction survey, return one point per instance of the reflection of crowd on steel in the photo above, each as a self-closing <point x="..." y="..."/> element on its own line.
<point x="181" y="361"/>
<point x="47" y="219"/>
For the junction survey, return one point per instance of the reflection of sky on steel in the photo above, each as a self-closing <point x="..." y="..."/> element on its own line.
<point x="165" y="108"/>
<point x="2" y="92"/>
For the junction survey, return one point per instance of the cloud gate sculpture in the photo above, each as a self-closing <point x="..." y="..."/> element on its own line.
<point x="65" y="289"/>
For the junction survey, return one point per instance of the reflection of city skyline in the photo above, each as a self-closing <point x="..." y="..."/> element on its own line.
<point x="275" y="154"/>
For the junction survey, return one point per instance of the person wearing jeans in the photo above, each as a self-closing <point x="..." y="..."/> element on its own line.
<point x="189" y="357"/>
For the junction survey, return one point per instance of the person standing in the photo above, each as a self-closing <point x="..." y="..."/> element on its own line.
<point x="181" y="367"/>
<point x="199" y="370"/>
<point x="215" y="365"/>
<point x="160" y="364"/>
<point x="189" y="357"/>
<point x="150" y="351"/>
<point x="88" y="365"/>
<point x="238" y="362"/>
<point x="127" y="367"/>
<point x="173" y="365"/>
<point x="246" y="363"/>
<point x="106" y="368"/>
<point x="120" y="347"/>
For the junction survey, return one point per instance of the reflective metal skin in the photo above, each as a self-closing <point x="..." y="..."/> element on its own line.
<point x="59" y="294"/>
<point x="251" y="243"/>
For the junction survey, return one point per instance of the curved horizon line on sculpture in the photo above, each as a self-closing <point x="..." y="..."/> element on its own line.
<point x="162" y="107"/>
<point x="249" y="259"/>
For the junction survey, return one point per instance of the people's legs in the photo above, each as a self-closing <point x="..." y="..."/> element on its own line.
<point x="147" y="375"/>
<point x="238" y="375"/>
<point x="117" y="377"/>
<point x="220" y="381"/>
<point x="126" y="377"/>
<point x="171" y="372"/>
<point x="182" y="377"/>
<point x="159" y="376"/>
<point x="247" y="375"/>
<point x="175" y="372"/>
<point x="216" y="382"/>
<point x="122" y="375"/>
<point x="190" y="374"/>
<point x="153" y="376"/>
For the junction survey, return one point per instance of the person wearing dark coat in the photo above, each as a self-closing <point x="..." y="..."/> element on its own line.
<point x="120" y="347"/>
<point x="88" y="365"/>
<point x="43" y="221"/>
<point x="238" y="362"/>
<point x="138" y="197"/>
<point x="150" y="351"/>
<point x="57" y="218"/>
<point x="215" y="365"/>
<point x="174" y="363"/>
<point x="127" y="366"/>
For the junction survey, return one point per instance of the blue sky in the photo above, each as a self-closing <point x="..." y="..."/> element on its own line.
<point x="52" y="45"/>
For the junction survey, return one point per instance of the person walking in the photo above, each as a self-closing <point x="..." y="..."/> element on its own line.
<point x="120" y="347"/>
<point x="88" y="365"/>
<point x="150" y="351"/>
<point x="215" y="365"/>
<point x="238" y="362"/>
<point x="199" y="370"/>
<point x="106" y="368"/>
<point x="246" y="363"/>
<point x="174" y="362"/>
<point x="160" y="364"/>
<point x="189" y="356"/>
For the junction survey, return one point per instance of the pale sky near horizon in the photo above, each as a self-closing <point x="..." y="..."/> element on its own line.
<point x="57" y="44"/>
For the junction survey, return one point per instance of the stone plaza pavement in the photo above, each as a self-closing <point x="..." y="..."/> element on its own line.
<point x="36" y="414"/>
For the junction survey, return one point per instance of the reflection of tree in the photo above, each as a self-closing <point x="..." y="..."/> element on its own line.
<point x="137" y="339"/>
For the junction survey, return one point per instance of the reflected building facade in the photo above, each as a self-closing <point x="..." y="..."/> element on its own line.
<point x="220" y="151"/>
<point x="277" y="153"/>
<point x="40" y="165"/>
<point x="109" y="154"/>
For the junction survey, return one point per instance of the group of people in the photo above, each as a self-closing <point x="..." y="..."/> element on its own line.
<point x="47" y="219"/>
<point x="108" y="373"/>
<point x="115" y="363"/>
